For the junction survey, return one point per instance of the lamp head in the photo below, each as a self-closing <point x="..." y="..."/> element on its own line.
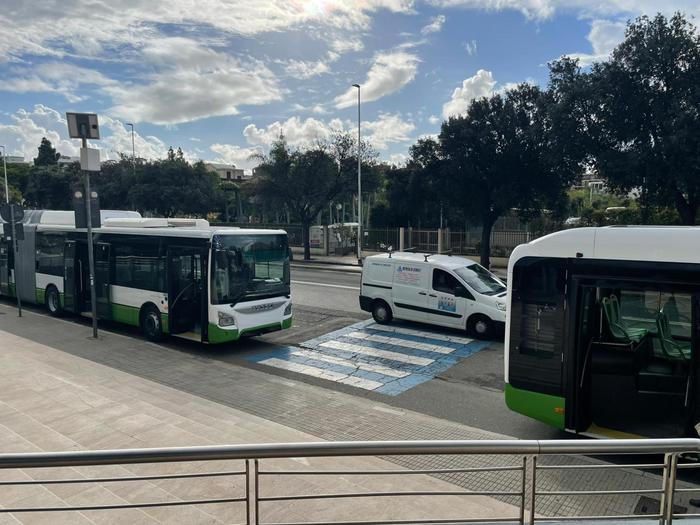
<point x="356" y="85"/>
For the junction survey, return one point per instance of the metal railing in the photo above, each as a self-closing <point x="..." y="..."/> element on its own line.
<point x="254" y="492"/>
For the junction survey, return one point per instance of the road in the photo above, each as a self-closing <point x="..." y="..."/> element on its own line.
<point x="468" y="391"/>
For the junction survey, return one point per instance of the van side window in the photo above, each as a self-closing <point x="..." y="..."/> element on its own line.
<point x="445" y="282"/>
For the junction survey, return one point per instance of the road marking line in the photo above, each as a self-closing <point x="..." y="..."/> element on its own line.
<point x="431" y="335"/>
<point x="321" y="373"/>
<point x="308" y="283"/>
<point x="401" y="342"/>
<point x="368" y="367"/>
<point x="375" y="352"/>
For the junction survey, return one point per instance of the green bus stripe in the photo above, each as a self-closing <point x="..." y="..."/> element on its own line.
<point x="543" y="407"/>
<point x="219" y="335"/>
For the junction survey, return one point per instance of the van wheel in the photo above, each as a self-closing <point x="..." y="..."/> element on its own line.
<point x="381" y="312"/>
<point x="53" y="301"/>
<point x="151" y="325"/>
<point x="480" y="326"/>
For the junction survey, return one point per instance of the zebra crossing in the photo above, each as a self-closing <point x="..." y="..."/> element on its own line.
<point x="387" y="359"/>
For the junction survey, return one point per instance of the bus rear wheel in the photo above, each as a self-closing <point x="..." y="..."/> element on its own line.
<point x="53" y="301"/>
<point x="151" y="324"/>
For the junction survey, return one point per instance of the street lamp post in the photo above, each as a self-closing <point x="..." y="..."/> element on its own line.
<point x="133" y="148"/>
<point x="359" y="182"/>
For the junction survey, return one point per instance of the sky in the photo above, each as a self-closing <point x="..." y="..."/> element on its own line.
<point x="221" y="79"/>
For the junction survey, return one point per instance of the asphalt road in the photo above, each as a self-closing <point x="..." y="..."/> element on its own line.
<point x="332" y="289"/>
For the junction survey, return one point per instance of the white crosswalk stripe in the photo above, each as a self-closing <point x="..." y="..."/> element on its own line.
<point x="368" y="367"/>
<point x="376" y="352"/>
<point x="401" y="342"/>
<point x="419" y="333"/>
<point x="360" y="382"/>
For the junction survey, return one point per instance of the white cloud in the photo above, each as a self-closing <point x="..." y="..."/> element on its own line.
<point x="434" y="119"/>
<point x="23" y="135"/>
<point x="398" y="159"/>
<point x="604" y="36"/>
<point x="387" y="129"/>
<point x="389" y="73"/>
<point x="234" y="154"/>
<point x="214" y="84"/>
<point x="542" y="9"/>
<point x="304" y="69"/>
<point x="481" y="84"/>
<point x="470" y="47"/>
<point x="54" y="77"/>
<point x="434" y="26"/>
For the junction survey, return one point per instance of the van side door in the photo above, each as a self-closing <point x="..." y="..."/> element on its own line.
<point x="448" y="300"/>
<point x="410" y="290"/>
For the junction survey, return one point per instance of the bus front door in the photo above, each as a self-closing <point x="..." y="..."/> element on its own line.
<point x="185" y="290"/>
<point x="69" y="277"/>
<point x="102" y="283"/>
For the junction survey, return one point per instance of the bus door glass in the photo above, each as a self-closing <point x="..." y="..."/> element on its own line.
<point x="69" y="277"/>
<point x="102" y="281"/>
<point x="4" y="268"/>
<point x="185" y="290"/>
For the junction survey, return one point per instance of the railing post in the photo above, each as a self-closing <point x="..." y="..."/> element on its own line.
<point x="256" y="492"/>
<point x="439" y="240"/>
<point x="523" y="493"/>
<point x="402" y="240"/>
<point x="533" y="489"/>
<point x="669" y="489"/>
<point x="247" y="492"/>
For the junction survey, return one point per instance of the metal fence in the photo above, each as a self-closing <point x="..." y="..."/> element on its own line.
<point x="261" y="479"/>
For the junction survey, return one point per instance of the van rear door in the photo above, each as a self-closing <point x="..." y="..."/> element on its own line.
<point x="410" y="290"/>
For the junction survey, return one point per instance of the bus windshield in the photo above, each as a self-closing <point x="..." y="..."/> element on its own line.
<point x="481" y="280"/>
<point x="248" y="267"/>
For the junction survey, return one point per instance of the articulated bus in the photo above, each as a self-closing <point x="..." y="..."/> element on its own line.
<point x="167" y="276"/>
<point x="602" y="331"/>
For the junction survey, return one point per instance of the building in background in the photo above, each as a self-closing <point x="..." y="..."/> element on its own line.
<point x="227" y="172"/>
<point x="14" y="159"/>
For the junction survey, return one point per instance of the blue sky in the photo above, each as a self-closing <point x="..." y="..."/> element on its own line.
<point x="222" y="78"/>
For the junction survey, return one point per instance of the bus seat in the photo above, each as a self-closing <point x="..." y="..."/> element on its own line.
<point x="634" y="333"/>
<point x="618" y="332"/>
<point x="672" y="349"/>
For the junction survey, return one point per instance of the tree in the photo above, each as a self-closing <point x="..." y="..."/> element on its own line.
<point x="51" y="187"/>
<point x="647" y="109"/>
<point x="47" y="154"/>
<point x="304" y="181"/>
<point x="500" y="155"/>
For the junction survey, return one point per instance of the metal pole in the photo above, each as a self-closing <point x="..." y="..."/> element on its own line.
<point x="359" y="180"/>
<point x="15" y="250"/>
<point x="91" y="255"/>
<point x="133" y="149"/>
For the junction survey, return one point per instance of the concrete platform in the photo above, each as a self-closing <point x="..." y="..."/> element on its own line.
<point x="53" y="401"/>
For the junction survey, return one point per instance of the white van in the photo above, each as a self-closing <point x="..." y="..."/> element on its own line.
<point x="437" y="289"/>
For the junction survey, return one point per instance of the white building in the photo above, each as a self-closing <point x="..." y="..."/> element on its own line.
<point x="227" y="172"/>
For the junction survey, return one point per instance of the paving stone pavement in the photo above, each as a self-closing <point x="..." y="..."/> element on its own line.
<point x="331" y="415"/>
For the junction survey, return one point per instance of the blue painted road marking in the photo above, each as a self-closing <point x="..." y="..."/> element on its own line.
<point x="388" y="359"/>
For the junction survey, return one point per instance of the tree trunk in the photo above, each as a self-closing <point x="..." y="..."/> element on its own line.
<point x="305" y="227"/>
<point x="485" y="249"/>
<point x="687" y="209"/>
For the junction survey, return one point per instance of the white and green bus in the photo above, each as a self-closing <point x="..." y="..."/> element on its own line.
<point x="603" y="331"/>
<point x="167" y="276"/>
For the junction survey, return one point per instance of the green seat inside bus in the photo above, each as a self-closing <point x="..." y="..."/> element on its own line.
<point x="671" y="348"/>
<point x="620" y="332"/>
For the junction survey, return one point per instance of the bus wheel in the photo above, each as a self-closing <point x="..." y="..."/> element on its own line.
<point x="381" y="312"/>
<point x="481" y="326"/>
<point x="151" y="325"/>
<point x="53" y="301"/>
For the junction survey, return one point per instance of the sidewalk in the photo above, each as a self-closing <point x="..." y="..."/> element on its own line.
<point x="52" y="401"/>
<point x="62" y="390"/>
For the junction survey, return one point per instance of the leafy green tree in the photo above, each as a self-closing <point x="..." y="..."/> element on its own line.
<point x="47" y="155"/>
<point x="305" y="181"/>
<point x="17" y="175"/>
<point x="639" y="113"/>
<point x="51" y="187"/>
<point x="501" y="155"/>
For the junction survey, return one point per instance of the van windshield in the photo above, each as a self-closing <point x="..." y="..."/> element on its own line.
<point x="481" y="280"/>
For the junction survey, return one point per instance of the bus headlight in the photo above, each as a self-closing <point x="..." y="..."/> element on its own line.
<point x="501" y="306"/>
<point x="226" y="320"/>
<point x="288" y="310"/>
